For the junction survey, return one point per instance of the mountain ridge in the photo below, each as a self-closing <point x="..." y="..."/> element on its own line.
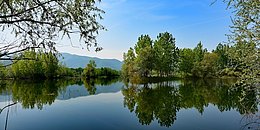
<point x="76" y="61"/>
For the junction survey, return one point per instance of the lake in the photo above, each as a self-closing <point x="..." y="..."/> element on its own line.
<point x="114" y="105"/>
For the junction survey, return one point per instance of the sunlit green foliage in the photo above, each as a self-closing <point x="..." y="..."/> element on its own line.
<point x="3" y="71"/>
<point x="144" y="55"/>
<point x="245" y="39"/>
<point x="92" y="72"/>
<point x="207" y="67"/>
<point x="39" y="65"/>
<point x="222" y="51"/>
<point x="129" y="68"/>
<point x="166" y="54"/>
<point x="89" y="71"/>
<point x="186" y="61"/>
<point x="160" y="57"/>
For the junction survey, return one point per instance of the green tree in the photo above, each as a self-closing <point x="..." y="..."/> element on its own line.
<point x="28" y="68"/>
<point x="199" y="52"/>
<point x="198" y="57"/>
<point x="129" y="66"/>
<point x="89" y="71"/>
<point x="222" y="51"/>
<point x="50" y="64"/>
<point x="166" y="54"/>
<point x="245" y="38"/>
<point x="105" y="72"/>
<point x="143" y="42"/>
<point x="3" y="72"/>
<point x="39" y="23"/>
<point x="186" y="61"/>
<point x="40" y="65"/>
<point x="208" y="67"/>
<point x="144" y="57"/>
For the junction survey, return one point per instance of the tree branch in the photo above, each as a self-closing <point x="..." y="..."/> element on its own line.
<point x="22" y="12"/>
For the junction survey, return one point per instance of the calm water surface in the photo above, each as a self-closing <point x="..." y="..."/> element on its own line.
<point x="113" y="105"/>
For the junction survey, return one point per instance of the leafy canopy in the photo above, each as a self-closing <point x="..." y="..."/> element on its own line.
<point x="39" y="23"/>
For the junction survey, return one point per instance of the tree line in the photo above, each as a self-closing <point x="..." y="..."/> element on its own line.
<point x="161" y="58"/>
<point x="45" y="65"/>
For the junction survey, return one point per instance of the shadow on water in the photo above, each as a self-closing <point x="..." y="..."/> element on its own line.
<point x="162" y="100"/>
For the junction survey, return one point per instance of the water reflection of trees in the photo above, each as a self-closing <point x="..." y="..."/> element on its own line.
<point x="161" y="101"/>
<point x="90" y="84"/>
<point x="36" y="94"/>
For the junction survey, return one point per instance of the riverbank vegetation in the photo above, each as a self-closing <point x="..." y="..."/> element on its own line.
<point x="41" y="65"/>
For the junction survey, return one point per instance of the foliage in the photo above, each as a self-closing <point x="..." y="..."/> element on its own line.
<point x="144" y="55"/>
<point x="106" y="72"/>
<point x="199" y="52"/>
<point x="46" y="65"/>
<point x="165" y="59"/>
<point x="166" y="54"/>
<point x="39" y="23"/>
<point x="89" y="71"/>
<point x="186" y="61"/>
<point x="222" y="51"/>
<point x="50" y="64"/>
<point x="162" y="57"/>
<point x="92" y="72"/>
<point x="129" y="66"/>
<point x="42" y="65"/>
<point x="245" y="38"/>
<point x="3" y="71"/>
<point x="207" y="67"/>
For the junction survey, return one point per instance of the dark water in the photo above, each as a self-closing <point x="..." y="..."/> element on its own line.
<point x="113" y="105"/>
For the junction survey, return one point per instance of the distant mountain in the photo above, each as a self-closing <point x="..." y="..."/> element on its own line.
<point x="75" y="61"/>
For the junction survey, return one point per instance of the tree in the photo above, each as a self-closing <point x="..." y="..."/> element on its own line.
<point x="143" y="42"/>
<point x="2" y="71"/>
<point x="209" y="65"/>
<point x="145" y="57"/>
<point x="30" y="68"/>
<point x="89" y="71"/>
<point x="199" y="52"/>
<point x="39" y="23"/>
<point x="198" y="57"/>
<point x="222" y="51"/>
<point x="166" y="54"/>
<point x="129" y="67"/>
<point x="245" y="37"/>
<point x="50" y="64"/>
<point x="186" y="61"/>
<point x="43" y="65"/>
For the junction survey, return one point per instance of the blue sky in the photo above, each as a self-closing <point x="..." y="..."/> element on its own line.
<point x="190" y="21"/>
